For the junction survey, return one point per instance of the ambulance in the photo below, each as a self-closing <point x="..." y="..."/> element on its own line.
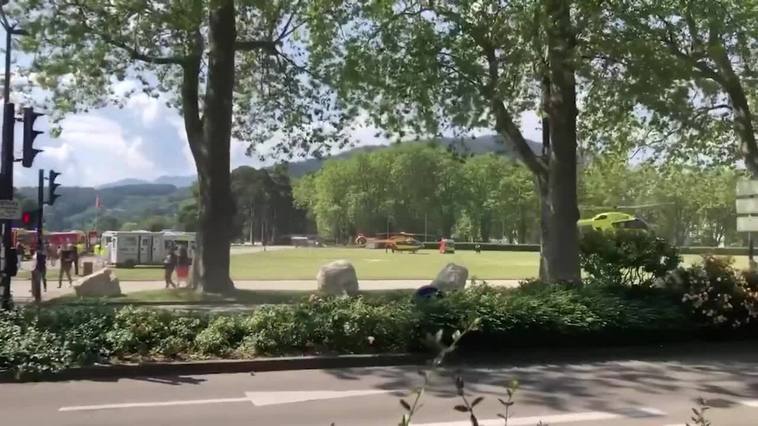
<point x="135" y="248"/>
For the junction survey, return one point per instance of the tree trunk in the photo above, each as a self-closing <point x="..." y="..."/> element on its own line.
<point x="743" y="126"/>
<point x="210" y="269"/>
<point x="743" y="116"/>
<point x="558" y="191"/>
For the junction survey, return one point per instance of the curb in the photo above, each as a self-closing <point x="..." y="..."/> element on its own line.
<point x="260" y="365"/>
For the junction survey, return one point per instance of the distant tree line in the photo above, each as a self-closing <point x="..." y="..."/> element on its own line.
<point x="425" y="189"/>
<point x="264" y="207"/>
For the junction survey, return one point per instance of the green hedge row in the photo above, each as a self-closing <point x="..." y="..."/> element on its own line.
<point x="534" y="315"/>
<point x="716" y="251"/>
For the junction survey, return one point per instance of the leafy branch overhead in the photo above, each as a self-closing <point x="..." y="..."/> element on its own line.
<point x="90" y="54"/>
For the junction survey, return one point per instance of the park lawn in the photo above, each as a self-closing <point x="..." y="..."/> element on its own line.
<point x="304" y="263"/>
<point x="243" y="297"/>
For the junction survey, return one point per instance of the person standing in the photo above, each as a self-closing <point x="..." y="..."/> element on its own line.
<point x="52" y="254"/>
<point x="66" y="259"/>
<point x="169" y="264"/>
<point x="40" y="267"/>
<point x="75" y="258"/>
<point x="182" y="266"/>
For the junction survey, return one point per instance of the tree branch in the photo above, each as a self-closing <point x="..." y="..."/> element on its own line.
<point x="249" y="45"/>
<point x="504" y="123"/>
<point x="139" y="56"/>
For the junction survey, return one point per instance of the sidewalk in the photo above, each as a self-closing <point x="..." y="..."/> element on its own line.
<point x="21" y="289"/>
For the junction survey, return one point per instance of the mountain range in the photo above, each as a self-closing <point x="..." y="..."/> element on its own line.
<point x="177" y="181"/>
<point x="463" y="146"/>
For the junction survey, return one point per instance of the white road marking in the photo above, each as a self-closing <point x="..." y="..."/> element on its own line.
<point x="750" y="403"/>
<point x="260" y="399"/>
<point x="256" y="398"/>
<point x="152" y="404"/>
<point x="557" y="418"/>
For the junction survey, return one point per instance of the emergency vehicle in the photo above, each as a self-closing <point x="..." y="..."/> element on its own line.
<point x="132" y="248"/>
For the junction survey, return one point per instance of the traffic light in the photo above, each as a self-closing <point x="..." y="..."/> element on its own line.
<point x="29" y="219"/>
<point x="51" y="187"/>
<point x="29" y="135"/>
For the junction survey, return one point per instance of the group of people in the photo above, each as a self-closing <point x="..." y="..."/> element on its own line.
<point x="68" y="257"/>
<point x="177" y="260"/>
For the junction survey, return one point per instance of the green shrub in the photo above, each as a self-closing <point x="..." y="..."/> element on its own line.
<point x="84" y="331"/>
<point x="25" y="348"/>
<point x="716" y="293"/>
<point x="536" y="314"/>
<point x="340" y="325"/>
<point x="626" y="257"/>
<point x="181" y="335"/>
<point x="543" y="314"/>
<point x="137" y="331"/>
<point x="222" y="335"/>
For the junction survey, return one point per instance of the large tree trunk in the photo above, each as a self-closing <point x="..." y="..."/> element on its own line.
<point x="558" y="191"/>
<point x="743" y="126"/>
<point x="210" y="271"/>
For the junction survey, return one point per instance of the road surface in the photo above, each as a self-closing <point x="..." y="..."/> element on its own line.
<point x="654" y="392"/>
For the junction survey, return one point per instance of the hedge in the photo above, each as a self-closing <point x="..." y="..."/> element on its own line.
<point x="697" y="250"/>
<point x="533" y="315"/>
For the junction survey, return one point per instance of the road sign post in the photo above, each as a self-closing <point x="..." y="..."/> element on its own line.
<point x="747" y="214"/>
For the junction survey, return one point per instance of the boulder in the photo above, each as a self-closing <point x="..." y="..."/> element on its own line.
<point x="100" y="284"/>
<point x="451" y="277"/>
<point x="337" y="279"/>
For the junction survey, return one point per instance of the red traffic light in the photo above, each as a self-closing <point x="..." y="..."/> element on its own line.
<point x="26" y="218"/>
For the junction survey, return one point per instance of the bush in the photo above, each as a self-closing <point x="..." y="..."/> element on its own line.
<point x="716" y="293"/>
<point x="138" y="331"/>
<point x="222" y="335"/>
<point x="546" y="315"/>
<point x="537" y="314"/>
<point x="630" y="258"/>
<point x="25" y="348"/>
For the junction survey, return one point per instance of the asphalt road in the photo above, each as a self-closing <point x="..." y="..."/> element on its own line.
<point x="651" y="392"/>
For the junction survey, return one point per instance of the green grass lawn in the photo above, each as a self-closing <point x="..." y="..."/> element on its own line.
<point x="245" y="297"/>
<point x="376" y="264"/>
<point x="303" y="264"/>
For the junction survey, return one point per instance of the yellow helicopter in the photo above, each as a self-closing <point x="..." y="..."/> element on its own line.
<point x="610" y="221"/>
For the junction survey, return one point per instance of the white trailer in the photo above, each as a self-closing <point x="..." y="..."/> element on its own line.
<point x="132" y="248"/>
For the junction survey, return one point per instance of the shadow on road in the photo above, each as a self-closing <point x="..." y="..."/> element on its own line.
<point x="721" y="373"/>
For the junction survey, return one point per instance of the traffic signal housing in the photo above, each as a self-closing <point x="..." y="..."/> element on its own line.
<point x="29" y="135"/>
<point x="29" y="219"/>
<point x="51" y="187"/>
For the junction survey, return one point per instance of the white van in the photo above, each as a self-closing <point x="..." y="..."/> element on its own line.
<point x="132" y="248"/>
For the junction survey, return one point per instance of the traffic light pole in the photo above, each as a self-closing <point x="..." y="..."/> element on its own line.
<point x="6" y="193"/>
<point x="41" y="204"/>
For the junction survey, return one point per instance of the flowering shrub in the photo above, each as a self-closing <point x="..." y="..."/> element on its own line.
<point x="717" y="293"/>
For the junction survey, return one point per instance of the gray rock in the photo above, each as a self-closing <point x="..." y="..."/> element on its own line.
<point x="451" y="277"/>
<point x="337" y="279"/>
<point x="100" y="284"/>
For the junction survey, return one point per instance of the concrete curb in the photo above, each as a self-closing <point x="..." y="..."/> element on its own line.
<point x="121" y="371"/>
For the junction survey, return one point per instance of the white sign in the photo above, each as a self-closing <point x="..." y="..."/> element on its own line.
<point x="10" y="209"/>
<point x="746" y="188"/>
<point x="747" y="224"/>
<point x="747" y="206"/>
